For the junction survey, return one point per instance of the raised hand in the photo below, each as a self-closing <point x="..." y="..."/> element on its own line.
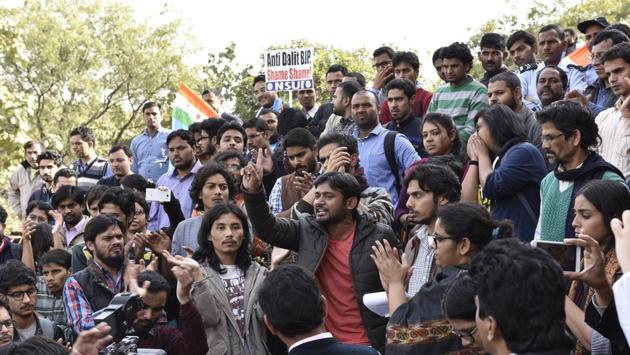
<point x="188" y="264"/>
<point x="593" y="273"/>
<point x="133" y="270"/>
<point x="338" y="160"/>
<point x="90" y="342"/>
<point x="390" y="268"/>
<point x="621" y="230"/>
<point x="253" y="174"/>
<point x="184" y="283"/>
<point x="578" y="97"/>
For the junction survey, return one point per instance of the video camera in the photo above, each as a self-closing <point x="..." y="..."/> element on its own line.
<point x="119" y="315"/>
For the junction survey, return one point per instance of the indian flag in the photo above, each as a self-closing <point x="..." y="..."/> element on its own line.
<point x="189" y="108"/>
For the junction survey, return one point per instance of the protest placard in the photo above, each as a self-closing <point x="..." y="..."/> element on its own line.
<point x="289" y="69"/>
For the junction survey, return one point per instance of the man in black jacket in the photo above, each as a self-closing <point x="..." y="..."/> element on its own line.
<point x="323" y="243"/>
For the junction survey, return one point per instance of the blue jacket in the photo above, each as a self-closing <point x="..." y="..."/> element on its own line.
<point x="519" y="170"/>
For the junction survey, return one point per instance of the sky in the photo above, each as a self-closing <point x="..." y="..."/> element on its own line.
<point x="420" y="26"/>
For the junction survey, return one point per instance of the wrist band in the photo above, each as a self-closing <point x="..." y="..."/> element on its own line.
<point x="474" y="162"/>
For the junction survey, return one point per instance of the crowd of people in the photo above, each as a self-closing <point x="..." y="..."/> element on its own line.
<point x="268" y="235"/>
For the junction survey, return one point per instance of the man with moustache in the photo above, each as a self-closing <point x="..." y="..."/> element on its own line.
<point x="18" y="289"/>
<point x="491" y="55"/>
<point x="92" y="288"/>
<point x="523" y="47"/>
<point x="149" y="148"/>
<point x="48" y="163"/>
<point x="181" y="154"/>
<point x="551" y="85"/>
<point x="120" y="161"/>
<point x="6" y="325"/>
<point x="299" y="145"/>
<point x="69" y="201"/>
<point x="24" y="179"/>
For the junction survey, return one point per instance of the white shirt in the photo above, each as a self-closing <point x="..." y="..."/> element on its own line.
<point x="320" y="336"/>
<point x="621" y="290"/>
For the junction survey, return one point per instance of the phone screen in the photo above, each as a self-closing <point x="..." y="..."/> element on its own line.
<point x="566" y="255"/>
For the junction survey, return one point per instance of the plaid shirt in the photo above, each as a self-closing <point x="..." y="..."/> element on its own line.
<point x="275" y="197"/>
<point x="78" y="309"/>
<point x="50" y="306"/>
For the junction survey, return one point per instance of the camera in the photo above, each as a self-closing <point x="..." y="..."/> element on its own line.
<point x="119" y="315"/>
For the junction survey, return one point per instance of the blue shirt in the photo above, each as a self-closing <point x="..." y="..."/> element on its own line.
<point x="180" y="187"/>
<point x="150" y="154"/>
<point x="604" y="97"/>
<point x="373" y="160"/>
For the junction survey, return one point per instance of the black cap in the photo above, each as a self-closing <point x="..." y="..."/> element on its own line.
<point x="600" y="21"/>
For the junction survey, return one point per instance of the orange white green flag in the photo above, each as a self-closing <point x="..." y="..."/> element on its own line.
<point x="189" y="108"/>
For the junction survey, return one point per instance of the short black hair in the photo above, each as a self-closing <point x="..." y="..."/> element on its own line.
<point x="503" y="124"/>
<point x="618" y="51"/>
<point x="121" y="198"/>
<point x="50" y="155"/>
<point x="510" y="79"/>
<point x="437" y="54"/>
<point x="521" y="35"/>
<point x="158" y="282"/>
<point x="151" y="104"/>
<point x="553" y="27"/>
<point x="289" y="119"/>
<point x="299" y="137"/>
<point x="405" y="85"/>
<point x="41" y="239"/>
<point x="94" y="194"/>
<point x="15" y="273"/>
<point x="100" y="224"/>
<point x="122" y="147"/>
<point x="57" y="256"/>
<point x="337" y="68"/>
<point x="183" y="134"/>
<point x="610" y="198"/>
<point x="358" y="76"/>
<point x="459" y="51"/>
<point x="85" y="133"/>
<point x="3" y="215"/>
<point x="349" y="88"/>
<point x="265" y="111"/>
<point x="31" y="143"/>
<point x="283" y="289"/>
<point x="136" y="182"/>
<point x="40" y="205"/>
<point x="206" y="252"/>
<point x="470" y="220"/>
<point x="459" y="299"/>
<point x="36" y="345"/>
<point x="211" y="126"/>
<point x="232" y="126"/>
<point x="74" y="193"/>
<point x="64" y="172"/>
<point x="342" y="140"/>
<point x="620" y="27"/>
<point x="534" y="317"/>
<point x="563" y="75"/>
<point x="447" y="123"/>
<point x="406" y="57"/>
<point x="384" y="50"/>
<point x="139" y="199"/>
<point x="569" y="116"/>
<point x="615" y="36"/>
<point x="341" y="182"/>
<point x="437" y="179"/>
<point x="200" y="179"/>
<point x="257" y="78"/>
<point x="492" y="40"/>
<point x="257" y="123"/>
<point x="194" y="128"/>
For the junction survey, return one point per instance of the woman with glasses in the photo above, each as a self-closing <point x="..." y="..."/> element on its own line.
<point x="418" y="325"/>
<point x="508" y="168"/>
<point x="458" y="306"/>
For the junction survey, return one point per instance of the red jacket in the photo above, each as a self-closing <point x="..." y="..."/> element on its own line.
<point x="419" y="107"/>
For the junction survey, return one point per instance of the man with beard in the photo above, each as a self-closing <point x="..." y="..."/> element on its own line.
<point x="206" y="144"/>
<point x="48" y="163"/>
<point x="6" y="325"/>
<point x="401" y="95"/>
<point x="505" y="88"/>
<point x="181" y="154"/>
<point x="92" y="288"/>
<point x="551" y="85"/>
<point x="429" y="187"/>
<point x="24" y="179"/>
<point x="299" y="146"/>
<point x="491" y="55"/>
<point x="120" y="161"/>
<point x="342" y="101"/>
<point x="17" y="289"/>
<point x="569" y="136"/>
<point x="335" y="244"/>
<point x="69" y="202"/>
<point x="334" y="77"/>
<point x="271" y="117"/>
<point x="190" y="338"/>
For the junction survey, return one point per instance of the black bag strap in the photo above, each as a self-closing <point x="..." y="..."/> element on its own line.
<point x="390" y="139"/>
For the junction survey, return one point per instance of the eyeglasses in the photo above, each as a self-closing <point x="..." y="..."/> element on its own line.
<point x="435" y="238"/>
<point x="19" y="295"/>
<point x="382" y="65"/>
<point x="7" y="324"/>
<point x="550" y="137"/>
<point x="465" y="334"/>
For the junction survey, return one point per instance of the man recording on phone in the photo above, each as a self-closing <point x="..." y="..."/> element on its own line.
<point x="300" y="151"/>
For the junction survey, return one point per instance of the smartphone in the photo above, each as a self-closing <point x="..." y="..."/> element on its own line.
<point x="300" y="172"/>
<point x="569" y="256"/>
<point x="158" y="195"/>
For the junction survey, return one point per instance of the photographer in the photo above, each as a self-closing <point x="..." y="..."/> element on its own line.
<point x="190" y="339"/>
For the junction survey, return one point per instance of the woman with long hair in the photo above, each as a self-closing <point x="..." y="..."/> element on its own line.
<point x="508" y="168"/>
<point x="596" y="205"/>
<point x="461" y="230"/>
<point x="226" y="283"/>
